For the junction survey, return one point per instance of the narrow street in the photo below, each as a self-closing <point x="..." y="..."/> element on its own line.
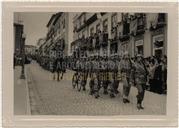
<point x="49" y="97"/>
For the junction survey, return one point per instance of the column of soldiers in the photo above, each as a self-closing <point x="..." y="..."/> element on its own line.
<point x="106" y="74"/>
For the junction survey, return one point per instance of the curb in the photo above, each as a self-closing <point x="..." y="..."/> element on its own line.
<point x="28" y="111"/>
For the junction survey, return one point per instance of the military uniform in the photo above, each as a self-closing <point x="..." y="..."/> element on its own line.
<point x="126" y="73"/>
<point x="105" y="76"/>
<point x="140" y="78"/>
<point x="83" y="73"/>
<point x="116" y="76"/>
<point x="112" y="81"/>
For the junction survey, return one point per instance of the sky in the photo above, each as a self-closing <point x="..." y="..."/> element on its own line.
<point x="34" y="25"/>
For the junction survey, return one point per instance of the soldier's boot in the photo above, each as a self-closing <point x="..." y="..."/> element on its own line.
<point x="125" y="95"/>
<point x="139" y="101"/>
<point x="112" y="91"/>
<point x="116" y="89"/>
<point x="105" y="90"/>
<point x="91" y="90"/>
<point x="125" y="100"/>
<point x="62" y="76"/>
<point x="96" y="94"/>
<point x="91" y="86"/>
<point x="84" y="88"/>
<point x="112" y="95"/>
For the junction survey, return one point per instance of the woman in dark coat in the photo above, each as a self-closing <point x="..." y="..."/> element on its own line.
<point x="158" y="78"/>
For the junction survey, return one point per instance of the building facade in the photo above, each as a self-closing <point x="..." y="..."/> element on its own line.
<point x="18" y="31"/>
<point x="108" y="34"/>
<point x="60" y="33"/>
<point x="41" y="47"/>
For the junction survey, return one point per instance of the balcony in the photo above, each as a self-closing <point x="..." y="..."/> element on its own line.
<point x="103" y="39"/>
<point x="81" y="27"/>
<point x="90" y="43"/>
<point x="161" y="22"/>
<point x="60" y="45"/>
<point x="96" y="41"/>
<point x="125" y="31"/>
<point x="124" y="37"/>
<point x="83" y="43"/>
<point x="140" y="30"/>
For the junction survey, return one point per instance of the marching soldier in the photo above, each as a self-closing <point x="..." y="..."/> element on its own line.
<point x="91" y="82"/>
<point x="97" y="81"/>
<point x="140" y="76"/>
<point x="111" y="80"/>
<point x="126" y="73"/>
<point x="116" y="77"/>
<point x="84" y="72"/>
<point x="105" y="75"/>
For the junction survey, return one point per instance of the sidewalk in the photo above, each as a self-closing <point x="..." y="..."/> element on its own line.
<point x="21" y="96"/>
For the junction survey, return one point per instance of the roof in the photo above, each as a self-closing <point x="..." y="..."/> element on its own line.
<point x="58" y="15"/>
<point x="54" y="18"/>
<point x="51" y="19"/>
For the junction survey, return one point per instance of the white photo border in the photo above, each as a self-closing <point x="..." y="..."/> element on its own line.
<point x="11" y="120"/>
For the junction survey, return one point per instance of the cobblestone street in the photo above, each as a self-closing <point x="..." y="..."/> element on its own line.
<point x="49" y="97"/>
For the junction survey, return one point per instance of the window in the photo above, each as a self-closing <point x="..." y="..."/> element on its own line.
<point x="79" y="22"/>
<point x="98" y="28"/>
<point x="126" y="28"/>
<point x="114" y="48"/>
<point x="83" y="34"/>
<point x="139" y="47"/>
<point x="84" y="18"/>
<point x="105" y="25"/>
<point x="161" y="17"/>
<point x="114" y="20"/>
<point x="158" y="44"/>
<point x="91" y="31"/>
<point x="64" y="23"/>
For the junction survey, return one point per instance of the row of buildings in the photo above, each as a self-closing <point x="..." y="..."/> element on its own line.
<point x="19" y="35"/>
<point x="117" y="33"/>
<point x="106" y="34"/>
<point x="59" y="35"/>
<point x="18" y="29"/>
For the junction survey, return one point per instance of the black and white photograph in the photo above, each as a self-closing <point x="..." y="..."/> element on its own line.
<point x="90" y="63"/>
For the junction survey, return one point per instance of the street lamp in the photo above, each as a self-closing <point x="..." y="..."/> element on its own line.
<point x="23" y="55"/>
